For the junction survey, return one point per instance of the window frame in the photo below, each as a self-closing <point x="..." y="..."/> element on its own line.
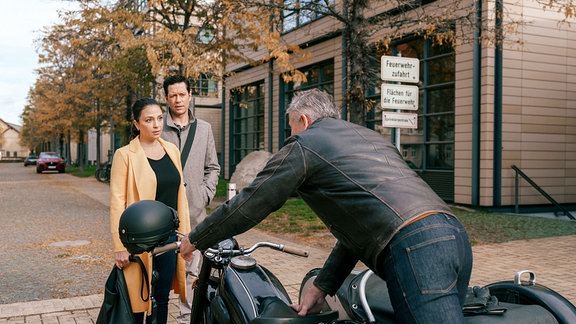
<point x="247" y="110"/>
<point x="204" y="87"/>
<point x="299" y="13"/>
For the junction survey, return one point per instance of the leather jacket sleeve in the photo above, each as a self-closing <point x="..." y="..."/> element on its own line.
<point x="281" y="176"/>
<point x="337" y="267"/>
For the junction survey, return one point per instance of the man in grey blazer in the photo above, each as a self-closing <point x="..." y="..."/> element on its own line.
<point x="200" y="166"/>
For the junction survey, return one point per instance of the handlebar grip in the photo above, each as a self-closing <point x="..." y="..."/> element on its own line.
<point x="165" y="248"/>
<point x="295" y="251"/>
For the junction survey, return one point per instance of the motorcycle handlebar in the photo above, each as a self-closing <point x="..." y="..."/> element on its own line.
<point x="274" y="246"/>
<point x="174" y="246"/>
<point x="295" y="251"/>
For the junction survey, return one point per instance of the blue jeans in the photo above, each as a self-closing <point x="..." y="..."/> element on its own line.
<point x="165" y="265"/>
<point x="427" y="268"/>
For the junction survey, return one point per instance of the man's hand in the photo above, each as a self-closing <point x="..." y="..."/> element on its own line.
<point x="312" y="303"/>
<point x="186" y="248"/>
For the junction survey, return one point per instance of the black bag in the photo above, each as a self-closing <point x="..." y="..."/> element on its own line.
<point x="116" y="306"/>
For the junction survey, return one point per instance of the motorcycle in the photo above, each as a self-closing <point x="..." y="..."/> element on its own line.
<point x="233" y="288"/>
<point x="102" y="174"/>
<point x="362" y="298"/>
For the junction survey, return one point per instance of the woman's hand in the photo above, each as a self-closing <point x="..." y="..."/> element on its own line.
<point x="122" y="259"/>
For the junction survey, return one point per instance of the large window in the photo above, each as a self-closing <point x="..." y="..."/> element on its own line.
<point x="301" y="12"/>
<point x="247" y="108"/>
<point x="320" y="75"/>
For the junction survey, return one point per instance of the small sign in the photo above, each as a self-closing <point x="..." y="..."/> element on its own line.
<point x="396" y="96"/>
<point x="400" y="69"/>
<point x="399" y="120"/>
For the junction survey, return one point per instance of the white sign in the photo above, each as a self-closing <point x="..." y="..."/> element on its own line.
<point x="396" y="96"/>
<point x="399" y="120"/>
<point x="400" y="69"/>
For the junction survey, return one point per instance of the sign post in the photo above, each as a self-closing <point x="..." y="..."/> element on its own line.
<point x="397" y="96"/>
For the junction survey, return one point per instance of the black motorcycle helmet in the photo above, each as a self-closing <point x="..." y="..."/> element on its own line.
<point x="146" y="224"/>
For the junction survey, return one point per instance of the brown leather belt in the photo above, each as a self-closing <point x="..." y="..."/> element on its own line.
<point x="419" y="217"/>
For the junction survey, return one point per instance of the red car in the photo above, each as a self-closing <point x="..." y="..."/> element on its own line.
<point x="50" y="161"/>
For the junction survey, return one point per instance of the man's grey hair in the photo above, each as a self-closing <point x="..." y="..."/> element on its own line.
<point x="313" y="103"/>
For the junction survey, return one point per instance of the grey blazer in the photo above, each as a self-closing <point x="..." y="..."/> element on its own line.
<point x="202" y="170"/>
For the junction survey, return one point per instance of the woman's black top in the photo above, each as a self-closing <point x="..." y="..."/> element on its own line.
<point x="167" y="181"/>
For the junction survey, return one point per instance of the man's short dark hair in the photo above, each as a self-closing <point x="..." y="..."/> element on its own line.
<point x="173" y="79"/>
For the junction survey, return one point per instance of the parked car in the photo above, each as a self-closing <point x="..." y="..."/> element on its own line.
<point x="30" y="160"/>
<point x="50" y="161"/>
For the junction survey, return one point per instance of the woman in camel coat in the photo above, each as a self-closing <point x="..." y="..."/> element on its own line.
<point x="148" y="168"/>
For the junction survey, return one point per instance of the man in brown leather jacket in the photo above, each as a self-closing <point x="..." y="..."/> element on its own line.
<point x="379" y="209"/>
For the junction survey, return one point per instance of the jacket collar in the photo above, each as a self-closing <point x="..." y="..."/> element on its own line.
<point x="170" y="121"/>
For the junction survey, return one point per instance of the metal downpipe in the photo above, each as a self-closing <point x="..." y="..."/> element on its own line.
<point x="497" y="149"/>
<point x="476" y="104"/>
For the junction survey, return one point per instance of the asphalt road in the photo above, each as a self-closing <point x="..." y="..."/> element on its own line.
<point x="54" y="237"/>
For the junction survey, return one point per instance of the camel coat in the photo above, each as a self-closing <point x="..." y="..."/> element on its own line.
<point x="132" y="179"/>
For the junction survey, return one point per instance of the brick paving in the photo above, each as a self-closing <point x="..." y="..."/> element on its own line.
<point x="551" y="259"/>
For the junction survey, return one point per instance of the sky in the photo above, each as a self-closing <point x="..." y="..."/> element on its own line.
<point x="21" y="22"/>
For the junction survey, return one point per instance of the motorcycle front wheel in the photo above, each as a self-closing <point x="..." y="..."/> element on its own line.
<point x="103" y="175"/>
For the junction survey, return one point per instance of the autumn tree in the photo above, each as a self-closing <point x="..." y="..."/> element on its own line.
<point x="195" y="37"/>
<point x="117" y="75"/>
<point x="85" y="79"/>
<point x="44" y="117"/>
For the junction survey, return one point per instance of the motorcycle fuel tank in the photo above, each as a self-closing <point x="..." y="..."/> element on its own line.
<point x="245" y="285"/>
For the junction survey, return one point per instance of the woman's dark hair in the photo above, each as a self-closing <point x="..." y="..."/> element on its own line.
<point x="137" y="108"/>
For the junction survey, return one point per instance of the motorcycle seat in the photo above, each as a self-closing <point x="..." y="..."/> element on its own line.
<point x="274" y="311"/>
<point x="381" y="307"/>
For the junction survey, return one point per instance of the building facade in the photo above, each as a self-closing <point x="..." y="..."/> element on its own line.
<point x="10" y="147"/>
<point x="482" y="108"/>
